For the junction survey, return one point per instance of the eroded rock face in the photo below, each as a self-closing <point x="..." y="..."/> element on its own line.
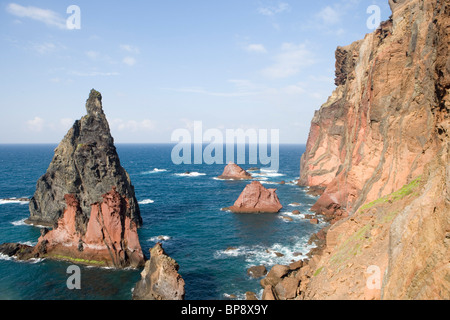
<point x="86" y="165"/>
<point x="235" y="172"/>
<point x="108" y="238"/>
<point x="160" y="279"/>
<point x="257" y="199"/>
<point x="386" y="126"/>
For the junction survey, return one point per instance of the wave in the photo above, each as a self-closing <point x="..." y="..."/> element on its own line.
<point x="269" y="182"/>
<point x="156" y="170"/>
<point x="159" y="238"/>
<point x="190" y="174"/>
<point x="14" y="201"/>
<point x="269" y="256"/>
<point x="19" y="222"/>
<point x="146" y="201"/>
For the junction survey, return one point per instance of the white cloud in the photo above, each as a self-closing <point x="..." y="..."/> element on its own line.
<point x="130" y="61"/>
<point x="290" y="61"/>
<point x="329" y="15"/>
<point x="66" y="123"/>
<point x="273" y="10"/>
<point x="46" y="47"/>
<point x="130" y="48"/>
<point x="93" y="54"/>
<point x="94" y="74"/>
<point x="133" y="125"/>
<point x="257" y="48"/>
<point x="35" y="125"/>
<point x="49" y="17"/>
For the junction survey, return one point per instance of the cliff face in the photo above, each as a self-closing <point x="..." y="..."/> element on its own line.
<point x="386" y="128"/>
<point x="108" y="238"/>
<point x="85" y="164"/>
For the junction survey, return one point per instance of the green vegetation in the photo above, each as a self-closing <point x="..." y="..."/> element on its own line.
<point x="396" y="196"/>
<point x="353" y="245"/>
<point x="77" y="260"/>
<point x="318" y="271"/>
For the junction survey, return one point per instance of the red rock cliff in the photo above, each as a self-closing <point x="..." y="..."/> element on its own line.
<point x="383" y="130"/>
<point x="108" y="238"/>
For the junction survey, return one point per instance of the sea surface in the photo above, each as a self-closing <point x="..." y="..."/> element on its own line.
<point x="214" y="248"/>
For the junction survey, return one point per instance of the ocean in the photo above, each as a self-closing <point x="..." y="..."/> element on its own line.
<point x="181" y="208"/>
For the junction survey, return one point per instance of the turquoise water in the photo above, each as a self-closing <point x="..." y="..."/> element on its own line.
<point x="183" y="210"/>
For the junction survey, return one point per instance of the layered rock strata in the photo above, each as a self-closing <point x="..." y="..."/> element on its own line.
<point x="160" y="279"/>
<point x="379" y="149"/>
<point x="257" y="199"/>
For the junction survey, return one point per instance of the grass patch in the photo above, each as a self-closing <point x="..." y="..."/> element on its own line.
<point x="406" y="190"/>
<point x="78" y="260"/>
<point x="318" y="271"/>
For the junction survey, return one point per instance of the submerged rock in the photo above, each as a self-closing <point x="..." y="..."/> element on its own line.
<point x="160" y="279"/>
<point x="234" y="172"/>
<point x="86" y="165"/>
<point x="257" y="199"/>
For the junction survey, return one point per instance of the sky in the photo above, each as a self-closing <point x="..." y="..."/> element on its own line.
<point x="162" y="65"/>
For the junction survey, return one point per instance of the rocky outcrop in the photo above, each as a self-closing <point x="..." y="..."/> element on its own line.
<point x="379" y="148"/>
<point x="257" y="199"/>
<point x="86" y="165"/>
<point x="234" y="172"/>
<point x="88" y="199"/>
<point x="108" y="238"/>
<point x="159" y="279"/>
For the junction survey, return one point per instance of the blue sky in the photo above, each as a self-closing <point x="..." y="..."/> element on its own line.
<point x="161" y="65"/>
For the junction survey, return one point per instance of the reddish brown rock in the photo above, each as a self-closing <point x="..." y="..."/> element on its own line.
<point x="257" y="199"/>
<point x="160" y="279"/>
<point x="108" y="238"/>
<point x="379" y="150"/>
<point x="234" y="172"/>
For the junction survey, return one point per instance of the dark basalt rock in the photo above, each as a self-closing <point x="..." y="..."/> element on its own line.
<point x="86" y="165"/>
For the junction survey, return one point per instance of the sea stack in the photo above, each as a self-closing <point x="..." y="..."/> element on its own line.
<point x="234" y="172"/>
<point x="160" y="279"/>
<point x="85" y="165"/>
<point x="88" y="199"/>
<point x="257" y="199"/>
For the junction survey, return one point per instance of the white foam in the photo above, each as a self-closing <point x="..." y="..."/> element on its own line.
<point x="13" y="201"/>
<point x="5" y="257"/>
<point x="269" y="182"/>
<point x="190" y="174"/>
<point x="29" y="243"/>
<point x="159" y="238"/>
<point x="156" y="170"/>
<point x="295" y="204"/>
<point x="215" y="178"/>
<point x="259" y="255"/>
<point x="19" y="222"/>
<point x="146" y="201"/>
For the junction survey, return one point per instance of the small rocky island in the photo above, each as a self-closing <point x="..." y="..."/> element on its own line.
<point x="256" y="199"/>
<point x="86" y="196"/>
<point x="234" y="172"/>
